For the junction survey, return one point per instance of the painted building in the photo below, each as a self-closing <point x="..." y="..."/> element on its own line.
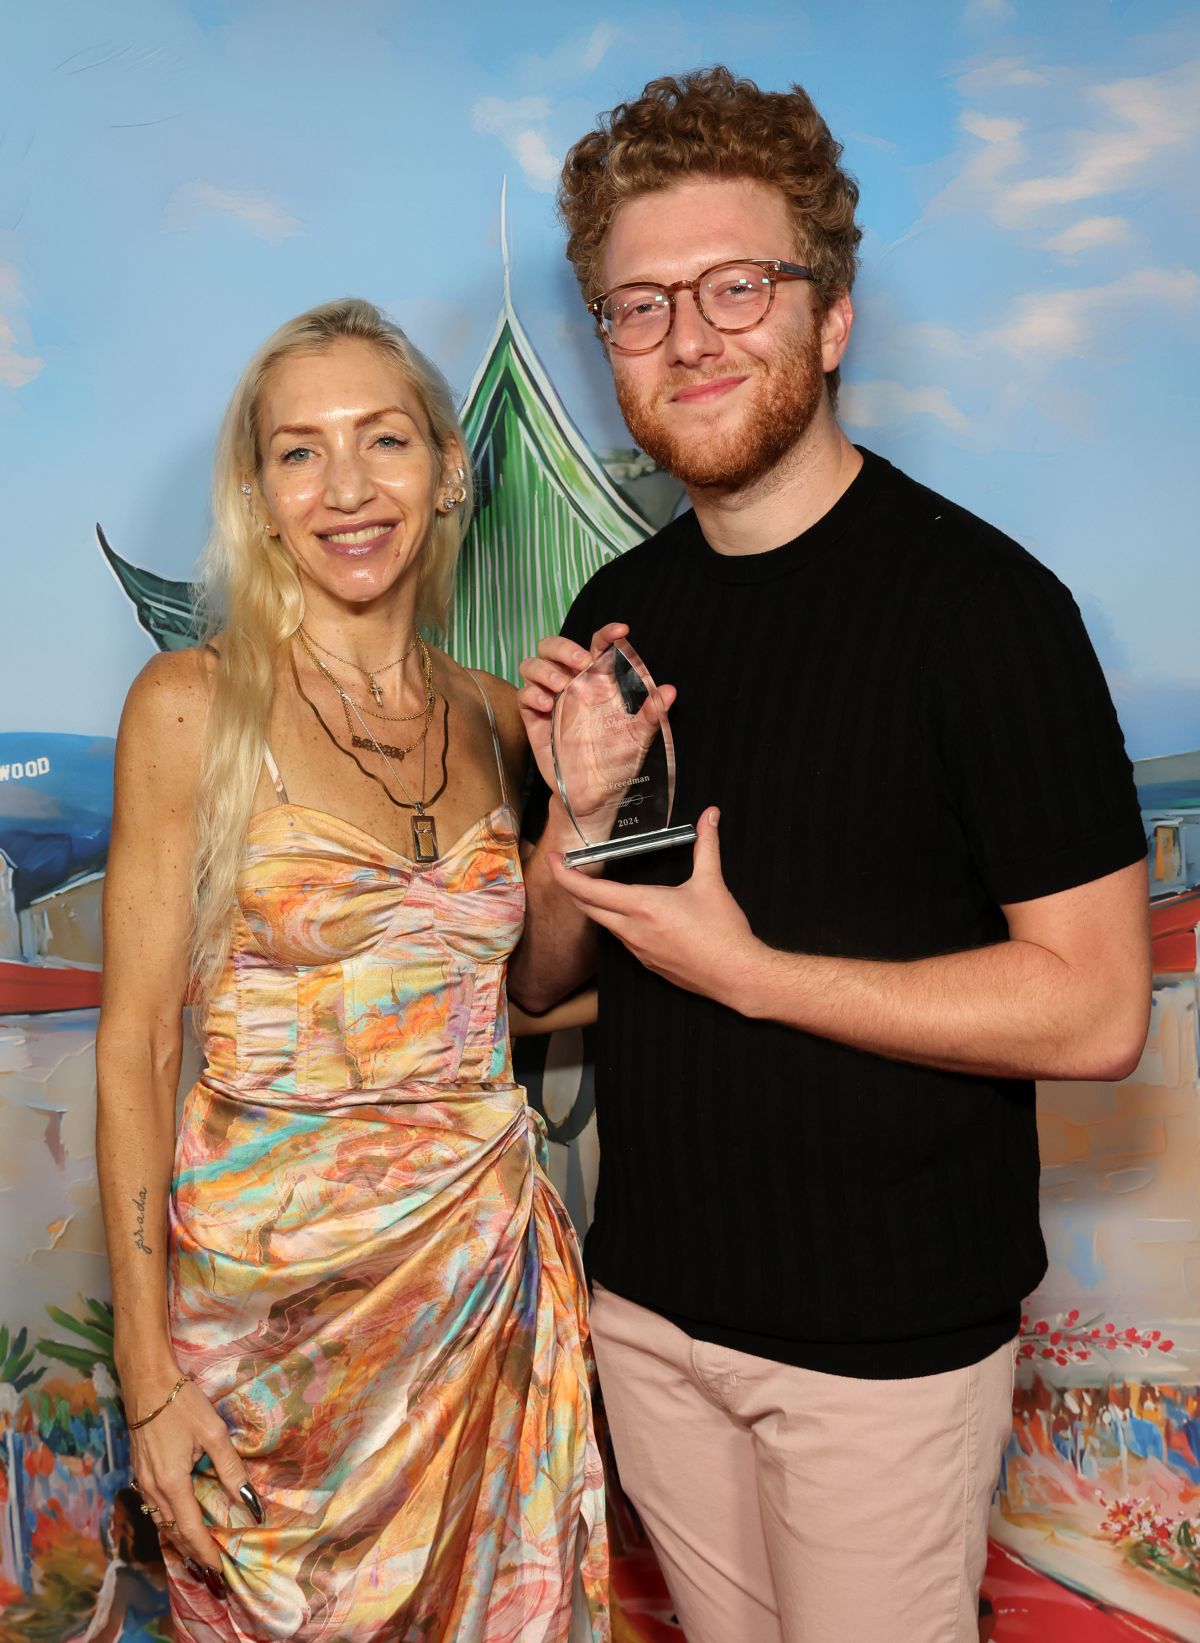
<point x="10" y="929"/>
<point x="64" y="924"/>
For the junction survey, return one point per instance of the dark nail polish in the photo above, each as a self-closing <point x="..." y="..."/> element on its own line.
<point x="212" y="1579"/>
<point x="194" y="1569"/>
<point x="253" y="1503"/>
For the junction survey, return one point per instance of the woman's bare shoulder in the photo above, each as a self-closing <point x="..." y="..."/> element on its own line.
<point x="503" y="698"/>
<point x="167" y="704"/>
<point x="467" y="682"/>
<point x="501" y="692"/>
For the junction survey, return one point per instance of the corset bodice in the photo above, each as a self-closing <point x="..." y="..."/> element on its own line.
<point x="353" y="970"/>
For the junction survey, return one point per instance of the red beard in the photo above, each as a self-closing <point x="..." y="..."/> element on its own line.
<point x="784" y="394"/>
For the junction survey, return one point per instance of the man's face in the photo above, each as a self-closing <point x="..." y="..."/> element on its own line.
<point x="716" y="408"/>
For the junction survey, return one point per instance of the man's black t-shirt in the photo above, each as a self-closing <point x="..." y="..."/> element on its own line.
<point x="905" y="727"/>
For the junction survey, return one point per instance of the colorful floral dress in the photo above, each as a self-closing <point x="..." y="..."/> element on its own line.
<point x="371" y="1275"/>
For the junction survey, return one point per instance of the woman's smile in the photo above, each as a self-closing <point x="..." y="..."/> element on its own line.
<point x="357" y="541"/>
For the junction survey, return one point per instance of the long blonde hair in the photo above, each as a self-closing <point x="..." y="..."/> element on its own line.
<point x="252" y="599"/>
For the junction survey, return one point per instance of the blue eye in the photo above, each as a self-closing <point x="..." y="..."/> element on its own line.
<point x="392" y="442"/>
<point x="296" y="454"/>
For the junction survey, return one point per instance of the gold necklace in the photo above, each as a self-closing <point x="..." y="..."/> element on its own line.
<point x="371" y="674"/>
<point x="348" y="702"/>
<point x="424" y="827"/>
<point x="395" y="718"/>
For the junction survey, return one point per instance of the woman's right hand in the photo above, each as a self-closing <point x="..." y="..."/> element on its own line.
<point x="164" y="1452"/>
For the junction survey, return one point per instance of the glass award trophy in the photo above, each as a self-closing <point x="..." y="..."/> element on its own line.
<point x="614" y="760"/>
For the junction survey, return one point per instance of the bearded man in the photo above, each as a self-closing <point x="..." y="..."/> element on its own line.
<point x="817" y="1212"/>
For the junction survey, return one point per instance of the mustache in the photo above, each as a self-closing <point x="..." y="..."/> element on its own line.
<point x="690" y="379"/>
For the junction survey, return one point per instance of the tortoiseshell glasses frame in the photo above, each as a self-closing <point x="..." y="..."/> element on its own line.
<point x="749" y="289"/>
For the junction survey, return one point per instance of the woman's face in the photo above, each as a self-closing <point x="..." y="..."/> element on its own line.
<point x="351" y="476"/>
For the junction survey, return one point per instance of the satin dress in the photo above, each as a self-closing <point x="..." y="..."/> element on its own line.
<point x="371" y="1275"/>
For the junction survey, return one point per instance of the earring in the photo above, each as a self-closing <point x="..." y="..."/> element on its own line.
<point x="246" y="490"/>
<point x="452" y="501"/>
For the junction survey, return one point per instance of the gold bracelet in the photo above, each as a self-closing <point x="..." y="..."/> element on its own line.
<point x="132" y="1426"/>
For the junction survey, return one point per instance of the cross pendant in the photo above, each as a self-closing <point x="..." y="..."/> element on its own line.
<point x="375" y="690"/>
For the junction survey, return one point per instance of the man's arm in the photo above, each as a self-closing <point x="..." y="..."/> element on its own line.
<point x="1067" y="996"/>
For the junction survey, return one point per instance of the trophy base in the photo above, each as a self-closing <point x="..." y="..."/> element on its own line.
<point x="663" y="839"/>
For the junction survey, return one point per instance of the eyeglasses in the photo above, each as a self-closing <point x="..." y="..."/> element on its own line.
<point x="732" y="296"/>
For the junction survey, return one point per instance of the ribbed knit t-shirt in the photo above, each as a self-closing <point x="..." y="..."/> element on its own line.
<point x="905" y="726"/>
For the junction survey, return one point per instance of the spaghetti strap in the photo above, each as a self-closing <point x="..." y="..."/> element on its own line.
<point x="273" y="772"/>
<point x="487" y="702"/>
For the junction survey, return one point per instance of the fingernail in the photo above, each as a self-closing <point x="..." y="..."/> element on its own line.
<point x="253" y="1503"/>
<point x="194" y="1569"/>
<point x="212" y="1579"/>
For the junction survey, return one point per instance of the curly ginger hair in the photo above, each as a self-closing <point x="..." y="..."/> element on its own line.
<point x="711" y="124"/>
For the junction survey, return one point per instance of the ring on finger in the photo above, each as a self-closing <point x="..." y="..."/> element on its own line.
<point x="169" y="1524"/>
<point x="150" y="1509"/>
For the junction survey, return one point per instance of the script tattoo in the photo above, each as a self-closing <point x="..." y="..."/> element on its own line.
<point x="139" y="1237"/>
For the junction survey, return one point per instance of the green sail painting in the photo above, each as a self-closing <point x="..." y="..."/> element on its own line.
<point x="166" y="609"/>
<point x="548" y="515"/>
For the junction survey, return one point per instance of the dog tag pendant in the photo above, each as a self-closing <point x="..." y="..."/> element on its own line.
<point x="424" y="832"/>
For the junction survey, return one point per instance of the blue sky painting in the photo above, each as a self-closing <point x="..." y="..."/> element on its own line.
<point x="175" y="179"/>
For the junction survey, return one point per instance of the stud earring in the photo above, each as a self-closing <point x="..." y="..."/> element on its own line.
<point x="246" y="490"/>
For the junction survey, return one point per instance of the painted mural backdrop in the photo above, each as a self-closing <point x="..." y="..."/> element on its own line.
<point x="176" y="178"/>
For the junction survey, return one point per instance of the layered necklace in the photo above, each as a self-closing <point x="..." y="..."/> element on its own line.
<point x="424" y="826"/>
<point x="372" y="675"/>
<point x="349" y="705"/>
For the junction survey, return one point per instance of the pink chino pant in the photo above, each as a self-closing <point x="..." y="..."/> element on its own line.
<point x="787" y="1506"/>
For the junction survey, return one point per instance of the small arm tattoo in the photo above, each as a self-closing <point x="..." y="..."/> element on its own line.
<point x="139" y="1237"/>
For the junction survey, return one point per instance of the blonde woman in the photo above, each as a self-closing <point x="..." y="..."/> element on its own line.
<point x="351" y="1327"/>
